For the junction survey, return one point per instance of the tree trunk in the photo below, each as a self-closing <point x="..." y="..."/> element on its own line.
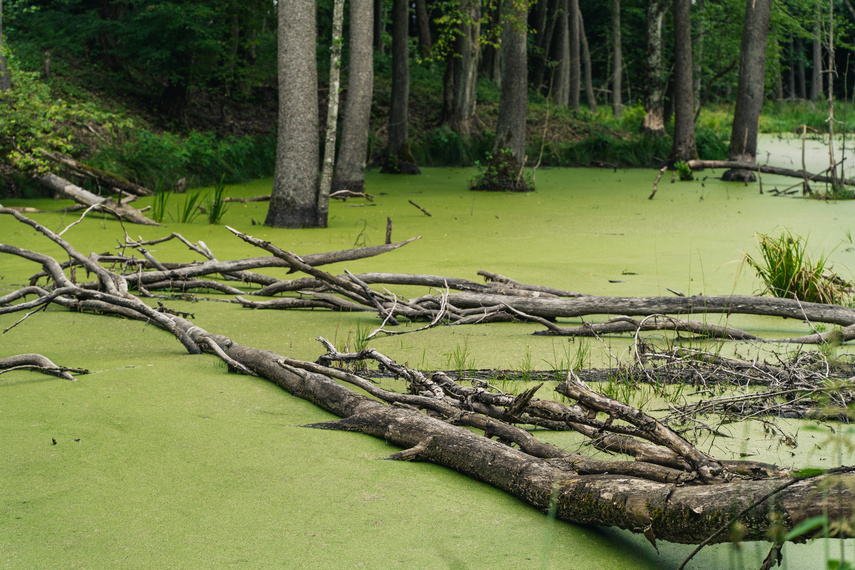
<point x="461" y="71"/>
<point x="816" y="91"/>
<point x="791" y="71"/>
<point x="379" y="26"/>
<point x="749" y="96"/>
<point x="698" y="52"/>
<point x="399" y="159"/>
<point x="423" y="24"/>
<point x="491" y="62"/>
<point x="574" y="29"/>
<point x="510" y="128"/>
<point x="350" y="173"/>
<point x="561" y="84"/>
<point x="683" y="146"/>
<point x="294" y="199"/>
<point x="539" y="56"/>
<point x="801" y="86"/>
<point x="654" y="86"/>
<point x="586" y="64"/>
<point x="332" y="114"/>
<point x="617" y="61"/>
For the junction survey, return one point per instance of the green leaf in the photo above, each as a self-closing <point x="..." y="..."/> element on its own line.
<point x="805" y="527"/>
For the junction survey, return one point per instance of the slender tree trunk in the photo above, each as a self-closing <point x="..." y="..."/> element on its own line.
<point x="617" y="61"/>
<point x="683" y="146"/>
<point x="423" y="23"/>
<point x="654" y="86"/>
<point x="491" y="60"/>
<point x="379" y="26"/>
<point x="586" y="64"/>
<point x="749" y="96"/>
<point x="538" y="59"/>
<point x="399" y="159"/>
<point x="294" y="199"/>
<point x="791" y="72"/>
<point x="510" y="129"/>
<point x="832" y="164"/>
<point x="816" y="91"/>
<point x="561" y="84"/>
<point x="332" y="114"/>
<point x="575" y="30"/>
<point x="698" y="52"/>
<point x="800" y="69"/>
<point x="350" y="172"/>
<point x="461" y="71"/>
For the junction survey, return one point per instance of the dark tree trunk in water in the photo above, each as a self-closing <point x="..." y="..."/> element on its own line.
<point x="749" y="96"/>
<point x="617" y="61"/>
<point x="293" y="201"/>
<point x="683" y="147"/>
<point x="350" y="170"/>
<point x="510" y="130"/>
<point x="461" y="71"/>
<point x="654" y="88"/>
<point x="399" y="159"/>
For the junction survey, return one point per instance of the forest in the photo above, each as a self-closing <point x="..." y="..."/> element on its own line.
<point x="661" y="406"/>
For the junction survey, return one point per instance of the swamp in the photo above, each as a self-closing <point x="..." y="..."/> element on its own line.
<point x="160" y="458"/>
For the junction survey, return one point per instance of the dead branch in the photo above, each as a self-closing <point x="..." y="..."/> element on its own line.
<point x="38" y="363"/>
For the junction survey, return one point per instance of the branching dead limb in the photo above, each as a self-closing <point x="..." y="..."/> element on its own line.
<point x="38" y="363"/>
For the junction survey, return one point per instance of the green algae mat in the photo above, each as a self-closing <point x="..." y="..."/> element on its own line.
<point x="163" y="459"/>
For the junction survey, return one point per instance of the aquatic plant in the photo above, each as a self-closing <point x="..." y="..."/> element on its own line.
<point x="217" y="205"/>
<point x="788" y="272"/>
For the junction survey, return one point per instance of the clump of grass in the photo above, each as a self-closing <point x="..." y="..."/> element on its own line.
<point x="189" y="210"/>
<point x="217" y="206"/>
<point x="788" y="272"/>
<point x="159" y="205"/>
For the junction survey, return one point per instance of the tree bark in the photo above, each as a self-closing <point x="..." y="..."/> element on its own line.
<point x="816" y="91"/>
<point x="801" y="87"/>
<point x="654" y="87"/>
<point x="574" y="31"/>
<point x="423" y="25"/>
<point x="586" y="65"/>
<point x="617" y="61"/>
<point x="461" y="71"/>
<point x="561" y="85"/>
<point x="540" y="54"/>
<point x="332" y="115"/>
<point x="683" y="145"/>
<point x="510" y="130"/>
<point x="379" y="26"/>
<point x="350" y="172"/>
<point x="399" y="159"/>
<point x="749" y="97"/>
<point x="294" y="199"/>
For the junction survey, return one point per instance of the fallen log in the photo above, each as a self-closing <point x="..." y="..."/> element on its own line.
<point x="696" y="500"/>
<point x="766" y="169"/>
<point x="81" y="196"/>
<point x="103" y="177"/>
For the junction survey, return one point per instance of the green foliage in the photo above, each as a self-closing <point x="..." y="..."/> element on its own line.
<point x="788" y="272"/>
<point x="217" y="205"/>
<point x="159" y="206"/>
<point x="444" y="147"/>
<point x="152" y="158"/>
<point x="189" y="210"/>
<point x="683" y="169"/>
<point x="503" y="173"/>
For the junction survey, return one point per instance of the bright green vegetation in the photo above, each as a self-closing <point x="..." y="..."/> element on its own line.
<point x="181" y="464"/>
<point x="786" y="268"/>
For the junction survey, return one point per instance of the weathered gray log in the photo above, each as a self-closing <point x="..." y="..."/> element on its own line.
<point x="87" y="198"/>
<point x="803" y="174"/>
<point x="101" y="176"/>
<point x="38" y="363"/>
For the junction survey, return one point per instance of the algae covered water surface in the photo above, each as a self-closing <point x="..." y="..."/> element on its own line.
<point x="163" y="459"/>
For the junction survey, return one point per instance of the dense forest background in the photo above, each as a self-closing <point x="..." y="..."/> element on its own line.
<point x="157" y="91"/>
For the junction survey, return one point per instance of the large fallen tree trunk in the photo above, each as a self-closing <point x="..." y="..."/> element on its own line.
<point x="103" y="177"/>
<point x="673" y="491"/>
<point x="87" y="198"/>
<point x="765" y="168"/>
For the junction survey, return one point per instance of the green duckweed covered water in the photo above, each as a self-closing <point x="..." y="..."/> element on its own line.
<point x="163" y="459"/>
